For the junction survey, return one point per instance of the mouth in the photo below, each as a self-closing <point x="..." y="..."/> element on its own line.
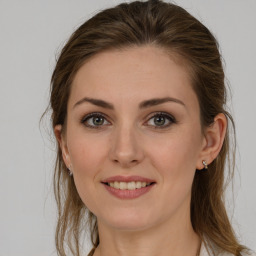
<point x="131" y="185"/>
<point x="128" y="187"/>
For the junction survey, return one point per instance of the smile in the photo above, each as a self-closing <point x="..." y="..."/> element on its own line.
<point x="128" y="185"/>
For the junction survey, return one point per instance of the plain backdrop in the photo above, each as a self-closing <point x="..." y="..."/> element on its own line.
<point x="32" y="33"/>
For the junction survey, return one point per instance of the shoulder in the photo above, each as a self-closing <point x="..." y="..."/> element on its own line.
<point x="243" y="253"/>
<point x="248" y="253"/>
<point x="205" y="251"/>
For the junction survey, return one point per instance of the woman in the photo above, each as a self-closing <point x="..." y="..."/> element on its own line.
<point x="138" y="110"/>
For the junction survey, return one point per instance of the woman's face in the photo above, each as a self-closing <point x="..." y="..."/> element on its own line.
<point x="133" y="117"/>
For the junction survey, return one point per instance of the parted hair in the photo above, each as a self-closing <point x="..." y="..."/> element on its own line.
<point x="173" y="29"/>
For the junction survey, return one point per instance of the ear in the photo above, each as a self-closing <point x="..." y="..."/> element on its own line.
<point x="63" y="145"/>
<point x="213" y="140"/>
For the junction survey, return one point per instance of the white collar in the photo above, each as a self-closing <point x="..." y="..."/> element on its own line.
<point x="203" y="251"/>
<point x="206" y="251"/>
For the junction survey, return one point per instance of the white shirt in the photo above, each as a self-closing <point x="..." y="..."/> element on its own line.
<point x="204" y="252"/>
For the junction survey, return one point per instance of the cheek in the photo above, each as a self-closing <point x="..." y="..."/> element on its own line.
<point x="175" y="162"/>
<point x="178" y="151"/>
<point x="175" y="159"/>
<point x="87" y="155"/>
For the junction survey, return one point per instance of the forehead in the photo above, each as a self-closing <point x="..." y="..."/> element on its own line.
<point x="133" y="73"/>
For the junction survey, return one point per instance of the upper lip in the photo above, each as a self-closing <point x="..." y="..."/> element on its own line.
<point x="120" y="178"/>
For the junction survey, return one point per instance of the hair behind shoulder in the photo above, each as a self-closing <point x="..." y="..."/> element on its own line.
<point x="172" y="28"/>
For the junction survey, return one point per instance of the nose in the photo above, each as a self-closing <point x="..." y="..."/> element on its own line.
<point x="126" y="148"/>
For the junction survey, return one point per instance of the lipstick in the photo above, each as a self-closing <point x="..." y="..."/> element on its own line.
<point x="128" y="187"/>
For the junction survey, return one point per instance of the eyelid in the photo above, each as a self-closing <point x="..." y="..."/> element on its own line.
<point x="161" y="113"/>
<point x="93" y="114"/>
<point x="152" y="115"/>
<point x="170" y="117"/>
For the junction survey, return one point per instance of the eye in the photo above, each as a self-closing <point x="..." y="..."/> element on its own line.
<point x="94" y="120"/>
<point x="161" y="120"/>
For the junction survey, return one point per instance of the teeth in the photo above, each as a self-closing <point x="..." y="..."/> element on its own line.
<point x="116" y="185"/>
<point x="123" y="185"/>
<point x="131" y="185"/>
<point x="138" y="184"/>
<point x="128" y="185"/>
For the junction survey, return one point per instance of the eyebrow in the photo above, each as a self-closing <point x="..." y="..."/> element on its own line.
<point x="142" y="105"/>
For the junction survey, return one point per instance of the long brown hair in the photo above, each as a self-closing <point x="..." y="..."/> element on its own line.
<point x="172" y="28"/>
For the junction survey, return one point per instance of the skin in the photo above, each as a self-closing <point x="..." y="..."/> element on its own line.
<point x="129" y="141"/>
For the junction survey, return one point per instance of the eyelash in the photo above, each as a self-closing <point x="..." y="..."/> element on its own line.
<point x="167" y="116"/>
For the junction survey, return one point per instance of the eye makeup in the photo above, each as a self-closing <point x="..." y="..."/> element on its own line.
<point x="97" y="120"/>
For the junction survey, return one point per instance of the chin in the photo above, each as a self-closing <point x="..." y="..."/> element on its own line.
<point x="129" y="225"/>
<point x="128" y="221"/>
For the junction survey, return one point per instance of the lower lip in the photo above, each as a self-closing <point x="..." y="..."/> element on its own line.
<point x="128" y="194"/>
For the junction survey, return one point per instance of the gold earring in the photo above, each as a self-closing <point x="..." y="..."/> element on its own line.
<point x="205" y="164"/>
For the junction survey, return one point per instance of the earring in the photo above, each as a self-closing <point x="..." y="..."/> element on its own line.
<point x="205" y="164"/>
<point x="69" y="171"/>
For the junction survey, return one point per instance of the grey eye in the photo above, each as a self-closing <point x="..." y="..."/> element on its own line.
<point x="97" y="120"/>
<point x="161" y="120"/>
<point x="94" y="120"/>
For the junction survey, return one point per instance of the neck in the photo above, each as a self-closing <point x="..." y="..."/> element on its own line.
<point x="167" y="238"/>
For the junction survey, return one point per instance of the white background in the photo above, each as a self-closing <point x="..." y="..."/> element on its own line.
<point x="32" y="32"/>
